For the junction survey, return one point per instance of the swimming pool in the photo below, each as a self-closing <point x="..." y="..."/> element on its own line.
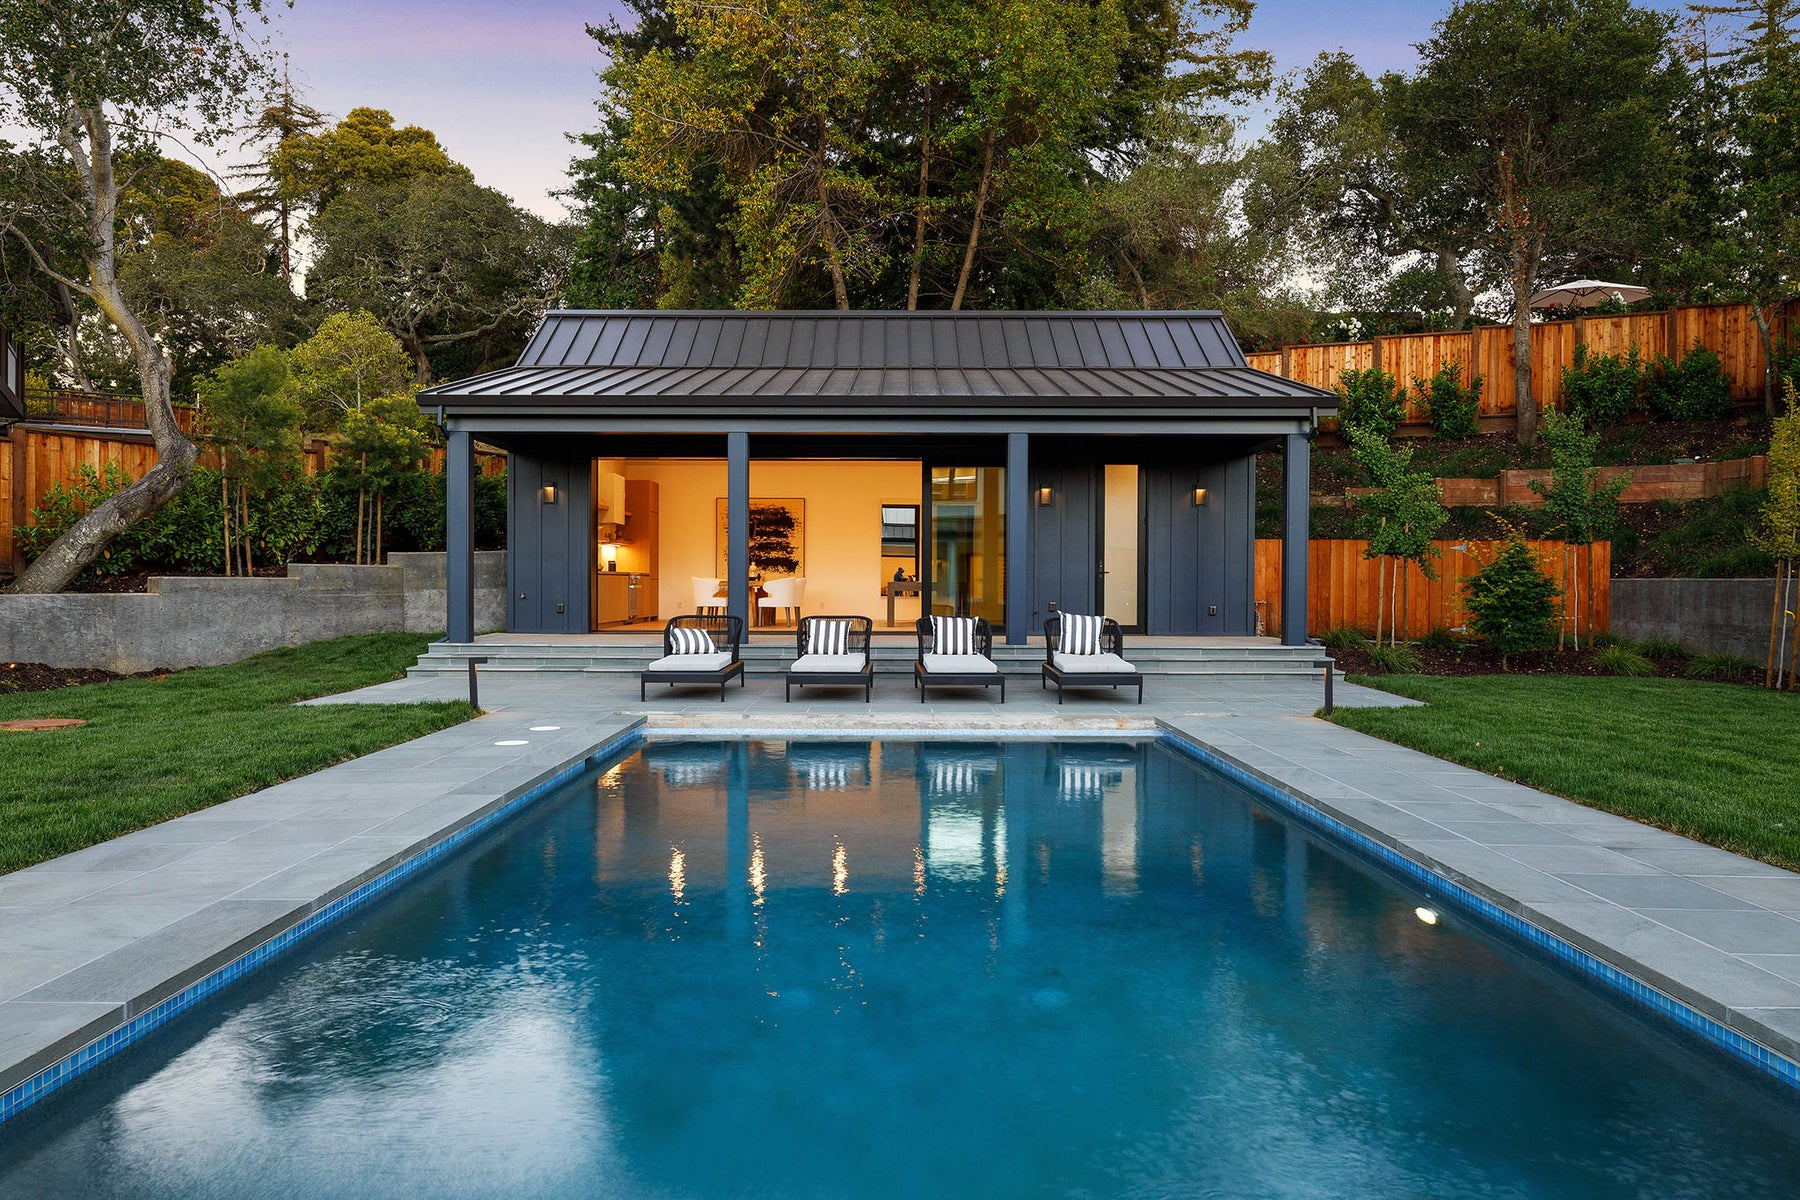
<point x="844" y="969"/>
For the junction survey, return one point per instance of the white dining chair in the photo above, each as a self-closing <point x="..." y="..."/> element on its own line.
<point x="789" y="593"/>
<point x="706" y="595"/>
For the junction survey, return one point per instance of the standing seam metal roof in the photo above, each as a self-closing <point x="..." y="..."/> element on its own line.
<point x="1055" y="359"/>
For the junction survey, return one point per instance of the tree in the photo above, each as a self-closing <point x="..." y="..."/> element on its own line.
<point x="1547" y="120"/>
<point x="389" y="438"/>
<point x="313" y="169"/>
<point x="440" y="261"/>
<point x="1399" y="518"/>
<point x="277" y="188"/>
<point x="1336" y="165"/>
<point x="1174" y="232"/>
<point x="1585" y="508"/>
<point x="1510" y="600"/>
<point x="886" y="153"/>
<point x="350" y="360"/>
<point x="88" y="78"/>
<point x="201" y="271"/>
<point x="1762" y="262"/>
<point x="253" y="420"/>
<point x="1778" y="534"/>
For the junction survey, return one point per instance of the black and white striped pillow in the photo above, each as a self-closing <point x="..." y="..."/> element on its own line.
<point x="684" y="639"/>
<point x="828" y="637"/>
<point x="953" y="635"/>
<point x="1081" y="634"/>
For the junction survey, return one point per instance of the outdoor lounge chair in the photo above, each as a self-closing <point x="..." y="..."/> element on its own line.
<point x="1098" y="663"/>
<point x="833" y="652"/>
<point x="698" y="650"/>
<point x="956" y="652"/>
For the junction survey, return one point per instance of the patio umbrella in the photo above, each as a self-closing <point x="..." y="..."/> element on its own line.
<point x="1586" y="293"/>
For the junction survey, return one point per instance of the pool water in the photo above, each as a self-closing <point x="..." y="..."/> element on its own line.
<point x="900" y="969"/>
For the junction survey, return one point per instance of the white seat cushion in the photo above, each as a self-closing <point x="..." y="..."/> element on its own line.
<point x="958" y="664"/>
<point x="692" y="662"/>
<point x="1093" y="664"/>
<point x="830" y="664"/>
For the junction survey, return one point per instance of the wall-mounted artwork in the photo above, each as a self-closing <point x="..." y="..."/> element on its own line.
<point x="777" y="538"/>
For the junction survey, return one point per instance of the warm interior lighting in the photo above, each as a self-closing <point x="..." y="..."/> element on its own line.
<point x="609" y="554"/>
<point x="1199" y="496"/>
<point x="1045" y="496"/>
<point x="1426" y="915"/>
<point x="548" y="494"/>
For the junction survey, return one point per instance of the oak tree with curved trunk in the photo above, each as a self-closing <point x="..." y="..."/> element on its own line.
<point x="94" y="80"/>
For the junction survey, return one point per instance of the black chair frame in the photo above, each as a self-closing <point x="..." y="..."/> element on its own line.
<point x="1112" y="641"/>
<point x="727" y="633"/>
<point x="984" y="646"/>
<point x="861" y="629"/>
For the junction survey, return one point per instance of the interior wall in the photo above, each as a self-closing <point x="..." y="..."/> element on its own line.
<point x="842" y="538"/>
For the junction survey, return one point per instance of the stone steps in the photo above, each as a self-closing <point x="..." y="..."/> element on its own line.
<point x="769" y="658"/>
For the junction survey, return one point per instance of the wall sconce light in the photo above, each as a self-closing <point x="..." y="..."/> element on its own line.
<point x="1199" y="497"/>
<point x="548" y="493"/>
<point x="1045" y="496"/>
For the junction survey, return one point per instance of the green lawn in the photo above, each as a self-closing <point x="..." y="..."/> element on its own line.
<point x="157" y="748"/>
<point x="1715" y="762"/>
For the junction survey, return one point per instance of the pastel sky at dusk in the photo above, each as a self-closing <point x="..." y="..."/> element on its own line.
<point x="501" y="83"/>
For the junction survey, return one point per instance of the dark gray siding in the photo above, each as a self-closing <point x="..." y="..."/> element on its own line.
<point x="1065" y="541"/>
<point x="549" y="560"/>
<point x="1200" y="559"/>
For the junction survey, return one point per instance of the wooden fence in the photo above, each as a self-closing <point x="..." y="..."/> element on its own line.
<point x="1343" y="586"/>
<point x="1487" y="350"/>
<point x="34" y="459"/>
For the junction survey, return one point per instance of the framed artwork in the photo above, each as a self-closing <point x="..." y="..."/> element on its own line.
<point x="777" y="537"/>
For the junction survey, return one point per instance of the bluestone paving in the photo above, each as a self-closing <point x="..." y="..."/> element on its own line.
<point x="92" y="938"/>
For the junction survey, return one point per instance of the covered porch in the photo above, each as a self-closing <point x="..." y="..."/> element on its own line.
<point x="1005" y="466"/>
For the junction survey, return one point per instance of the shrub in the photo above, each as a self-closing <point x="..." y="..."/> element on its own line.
<point x="1452" y="408"/>
<point x="1343" y="639"/>
<point x="1441" y="639"/>
<point x="1373" y="399"/>
<point x="1510" y="601"/>
<point x="1623" y="660"/>
<point x="64" y="504"/>
<point x="1603" y="388"/>
<point x="1395" y="660"/>
<point x="1663" y="648"/>
<point x="1727" y="667"/>
<point x="1695" y="389"/>
<point x="1601" y="641"/>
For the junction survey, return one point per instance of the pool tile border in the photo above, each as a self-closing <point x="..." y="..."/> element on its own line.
<point x="100" y="1049"/>
<point x="1651" y="999"/>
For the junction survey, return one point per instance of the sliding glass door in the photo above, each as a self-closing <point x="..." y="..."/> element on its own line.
<point x="968" y="542"/>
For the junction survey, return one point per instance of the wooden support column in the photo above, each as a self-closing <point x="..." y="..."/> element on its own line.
<point x="1297" y="478"/>
<point x="1018" y="538"/>
<point x="459" y="537"/>
<point x="737" y="526"/>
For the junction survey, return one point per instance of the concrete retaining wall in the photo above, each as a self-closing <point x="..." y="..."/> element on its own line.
<point x="1717" y="616"/>
<point x="199" y="622"/>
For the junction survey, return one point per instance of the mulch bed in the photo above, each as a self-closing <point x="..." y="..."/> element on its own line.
<point x="36" y="677"/>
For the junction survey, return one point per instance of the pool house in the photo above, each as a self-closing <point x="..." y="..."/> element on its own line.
<point x="1002" y="465"/>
